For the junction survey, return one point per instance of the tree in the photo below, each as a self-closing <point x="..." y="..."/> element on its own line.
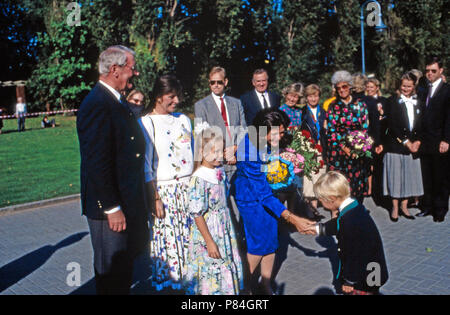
<point x="19" y="46"/>
<point x="156" y="34"/>
<point x="300" y="53"/>
<point x="61" y="75"/>
<point x="346" y="49"/>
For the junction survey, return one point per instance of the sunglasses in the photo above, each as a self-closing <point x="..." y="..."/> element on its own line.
<point x="431" y="70"/>
<point x="212" y="82"/>
<point x="343" y="87"/>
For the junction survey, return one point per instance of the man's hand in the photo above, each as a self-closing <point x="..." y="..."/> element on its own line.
<point x="443" y="147"/>
<point x="117" y="221"/>
<point x="159" y="209"/>
<point x="230" y="155"/>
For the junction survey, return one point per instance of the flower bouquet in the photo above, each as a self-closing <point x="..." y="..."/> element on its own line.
<point x="297" y="160"/>
<point x="359" y="143"/>
<point x="303" y="144"/>
<point x="280" y="172"/>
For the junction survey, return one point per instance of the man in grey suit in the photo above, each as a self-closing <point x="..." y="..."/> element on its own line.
<point x="225" y="112"/>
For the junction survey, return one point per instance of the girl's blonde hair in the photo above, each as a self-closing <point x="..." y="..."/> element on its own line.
<point x="206" y="139"/>
<point x="332" y="184"/>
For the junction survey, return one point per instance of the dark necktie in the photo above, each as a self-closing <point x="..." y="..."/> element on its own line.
<point x="266" y="105"/>
<point x="430" y="90"/>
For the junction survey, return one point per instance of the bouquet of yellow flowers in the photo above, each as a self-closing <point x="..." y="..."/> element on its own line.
<point x="303" y="144"/>
<point x="279" y="173"/>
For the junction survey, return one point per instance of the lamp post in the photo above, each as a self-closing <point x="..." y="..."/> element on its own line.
<point x="379" y="27"/>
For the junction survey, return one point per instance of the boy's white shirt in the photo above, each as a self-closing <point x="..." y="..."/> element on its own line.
<point x="345" y="203"/>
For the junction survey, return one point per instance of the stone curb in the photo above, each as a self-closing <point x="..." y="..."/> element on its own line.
<point x="38" y="204"/>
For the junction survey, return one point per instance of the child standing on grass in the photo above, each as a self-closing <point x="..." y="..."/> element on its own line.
<point x="362" y="264"/>
<point x="214" y="265"/>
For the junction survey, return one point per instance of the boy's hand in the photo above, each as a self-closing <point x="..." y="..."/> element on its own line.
<point x="347" y="289"/>
<point x="213" y="250"/>
<point x="311" y="230"/>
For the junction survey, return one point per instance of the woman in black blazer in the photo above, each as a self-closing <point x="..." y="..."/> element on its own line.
<point x="402" y="176"/>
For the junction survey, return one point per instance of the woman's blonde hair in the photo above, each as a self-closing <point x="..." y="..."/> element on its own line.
<point x="312" y="89"/>
<point x="207" y="138"/>
<point x="295" y="88"/>
<point x="359" y="82"/>
<point x="332" y="184"/>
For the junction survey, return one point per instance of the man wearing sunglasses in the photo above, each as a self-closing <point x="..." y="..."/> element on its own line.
<point x="435" y="144"/>
<point x="225" y="112"/>
<point x="260" y="98"/>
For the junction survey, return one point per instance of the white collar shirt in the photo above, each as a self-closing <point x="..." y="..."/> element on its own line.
<point x="261" y="99"/>
<point x="410" y="102"/>
<point x="434" y="86"/>
<point x="345" y="203"/>
<point x="113" y="91"/>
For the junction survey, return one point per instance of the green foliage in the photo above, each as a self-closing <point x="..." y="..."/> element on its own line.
<point x="301" y="40"/>
<point x="300" y="50"/>
<point x="60" y="78"/>
<point x="347" y="41"/>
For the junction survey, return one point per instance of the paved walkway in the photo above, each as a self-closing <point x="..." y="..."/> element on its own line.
<point x="38" y="246"/>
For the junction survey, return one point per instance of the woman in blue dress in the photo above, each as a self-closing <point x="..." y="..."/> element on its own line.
<point x="259" y="208"/>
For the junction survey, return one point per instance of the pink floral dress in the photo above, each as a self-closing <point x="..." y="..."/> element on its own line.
<point x="206" y="275"/>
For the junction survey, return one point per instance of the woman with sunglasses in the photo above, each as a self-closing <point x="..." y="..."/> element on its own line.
<point x="346" y="114"/>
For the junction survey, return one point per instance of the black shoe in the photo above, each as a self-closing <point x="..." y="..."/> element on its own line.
<point x="409" y="217"/>
<point x="423" y="214"/>
<point x="438" y="219"/>
<point x="392" y="219"/>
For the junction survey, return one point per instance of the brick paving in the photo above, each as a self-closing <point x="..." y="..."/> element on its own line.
<point x="37" y="246"/>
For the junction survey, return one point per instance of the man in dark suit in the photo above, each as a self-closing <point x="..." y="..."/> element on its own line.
<point x="435" y="143"/>
<point x="112" y="149"/>
<point x="256" y="100"/>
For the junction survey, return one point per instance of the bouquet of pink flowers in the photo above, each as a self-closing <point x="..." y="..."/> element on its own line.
<point x="296" y="159"/>
<point x="303" y="145"/>
<point x="359" y="143"/>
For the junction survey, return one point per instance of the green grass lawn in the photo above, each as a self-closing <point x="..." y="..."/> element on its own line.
<point x="39" y="163"/>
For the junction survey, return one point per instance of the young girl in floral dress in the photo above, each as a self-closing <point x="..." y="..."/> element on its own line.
<point x="214" y="265"/>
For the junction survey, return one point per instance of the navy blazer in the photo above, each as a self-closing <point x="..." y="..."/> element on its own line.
<point x="252" y="105"/>
<point x="398" y="126"/>
<point x="359" y="246"/>
<point x="436" y="119"/>
<point x="112" y="149"/>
